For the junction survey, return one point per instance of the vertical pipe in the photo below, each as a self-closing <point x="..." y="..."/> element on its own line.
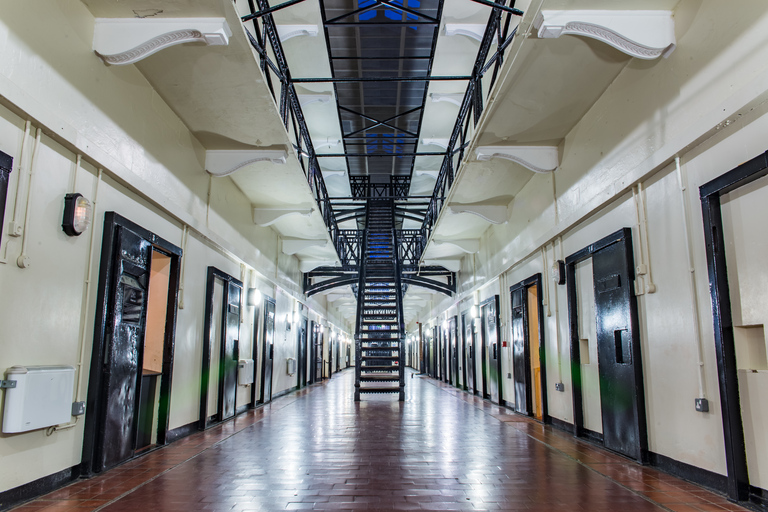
<point x="184" y="237"/>
<point x="23" y="259"/>
<point x="558" y="242"/>
<point x="22" y="153"/>
<point x="78" y="160"/>
<point x="650" y="287"/>
<point x="683" y="184"/>
<point x="84" y="306"/>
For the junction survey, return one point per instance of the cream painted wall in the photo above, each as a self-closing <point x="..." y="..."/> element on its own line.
<point x="153" y="175"/>
<point x="707" y="104"/>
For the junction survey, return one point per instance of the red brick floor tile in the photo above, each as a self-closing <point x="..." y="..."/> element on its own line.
<point x="442" y="449"/>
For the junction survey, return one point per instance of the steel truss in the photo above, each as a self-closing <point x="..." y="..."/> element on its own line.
<point x="381" y="137"/>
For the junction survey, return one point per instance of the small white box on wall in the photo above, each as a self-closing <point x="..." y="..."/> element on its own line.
<point x="41" y="397"/>
<point x="290" y="366"/>
<point x="245" y="372"/>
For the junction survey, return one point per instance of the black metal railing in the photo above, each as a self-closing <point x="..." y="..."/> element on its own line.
<point x="349" y="243"/>
<point x="471" y="108"/>
<point x="397" y="188"/>
<point x="409" y="246"/>
<point x="264" y="32"/>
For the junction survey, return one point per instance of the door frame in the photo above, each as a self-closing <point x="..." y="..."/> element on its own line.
<point x="725" y="348"/>
<point x="255" y="353"/>
<point x="314" y="333"/>
<point x="229" y="280"/>
<point x="469" y="346"/>
<point x="623" y="235"/>
<point x="263" y="399"/>
<point x="97" y="399"/>
<point x="483" y="335"/>
<point x="302" y="340"/>
<point x="534" y="280"/>
<point x="453" y="350"/>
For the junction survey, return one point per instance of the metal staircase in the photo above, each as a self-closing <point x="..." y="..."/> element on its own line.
<point x="380" y="330"/>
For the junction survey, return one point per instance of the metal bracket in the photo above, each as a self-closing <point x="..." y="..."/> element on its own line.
<point x="7" y="384"/>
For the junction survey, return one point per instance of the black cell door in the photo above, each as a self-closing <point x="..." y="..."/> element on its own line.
<point x="618" y="350"/>
<point x="520" y="355"/>
<point x="489" y="313"/>
<point x="128" y="309"/>
<point x="114" y="386"/>
<point x="618" y="345"/>
<point x="469" y="349"/>
<point x="453" y="347"/>
<point x="230" y="350"/>
<point x="268" y="350"/>
<point x="301" y="373"/>
<point x="313" y="337"/>
<point x="222" y="337"/>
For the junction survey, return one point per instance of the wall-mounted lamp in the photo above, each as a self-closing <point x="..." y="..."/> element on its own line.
<point x="445" y="325"/>
<point x="77" y="214"/>
<point x="296" y="316"/>
<point x="558" y="272"/>
<point x="253" y="297"/>
<point x="474" y="311"/>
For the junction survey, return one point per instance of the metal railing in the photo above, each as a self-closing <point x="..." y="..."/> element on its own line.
<point x="471" y="108"/>
<point x="265" y="31"/>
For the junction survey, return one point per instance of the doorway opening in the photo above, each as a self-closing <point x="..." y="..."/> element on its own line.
<point x="129" y="386"/>
<point x="606" y="366"/>
<point x="221" y="338"/>
<point x="491" y="359"/>
<point x="736" y="243"/>
<point x="528" y="350"/>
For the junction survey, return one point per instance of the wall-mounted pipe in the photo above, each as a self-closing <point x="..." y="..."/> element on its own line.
<point x="559" y="242"/>
<point x="78" y="161"/>
<point x="184" y="237"/>
<point x="15" y="227"/>
<point x="644" y="265"/>
<point x="545" y="279"/>
<point x="85" y="307"/>
<point x="23" y="260"/>
<point x="683" y="185"/>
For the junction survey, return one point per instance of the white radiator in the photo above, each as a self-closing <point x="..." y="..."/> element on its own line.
<point x="245" y="372"/>
<point x="42" y="397"/>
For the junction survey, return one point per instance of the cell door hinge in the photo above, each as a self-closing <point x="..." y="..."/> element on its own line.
<point x="7" y="384"/>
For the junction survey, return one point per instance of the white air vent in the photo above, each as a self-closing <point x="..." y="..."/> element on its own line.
<point x="41" y="397"/>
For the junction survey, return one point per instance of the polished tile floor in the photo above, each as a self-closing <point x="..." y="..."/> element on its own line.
<point x="441" y="449"/>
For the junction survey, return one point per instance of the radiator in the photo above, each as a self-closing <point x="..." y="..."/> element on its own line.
<point x="41" y="397"/>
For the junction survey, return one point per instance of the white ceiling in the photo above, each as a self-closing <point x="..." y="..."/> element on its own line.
<point x="219" y="92"/>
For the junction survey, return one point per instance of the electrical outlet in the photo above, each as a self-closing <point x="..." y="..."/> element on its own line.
<point x="78" y="408"/>
<point x="559" y="386"/>
<point x="702" y="405"/>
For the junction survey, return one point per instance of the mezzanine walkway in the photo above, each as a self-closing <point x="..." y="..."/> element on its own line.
<point x="441" y="449"/>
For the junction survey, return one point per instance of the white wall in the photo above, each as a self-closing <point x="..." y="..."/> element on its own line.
<point x="152" y="174"/>
<point x="705" y="104"/>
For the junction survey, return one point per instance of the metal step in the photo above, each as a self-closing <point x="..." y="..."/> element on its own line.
<point x="373" y="390"/>
<point x="380" y="378"/>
